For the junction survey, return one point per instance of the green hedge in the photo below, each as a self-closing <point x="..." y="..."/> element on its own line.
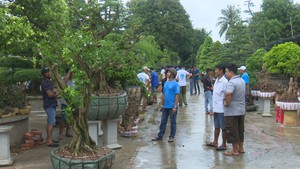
<point x="15" y="62"/>
<point x="20" y="75"/>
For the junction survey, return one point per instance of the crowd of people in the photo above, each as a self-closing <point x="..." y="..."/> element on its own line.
<point x="224" y="98"/>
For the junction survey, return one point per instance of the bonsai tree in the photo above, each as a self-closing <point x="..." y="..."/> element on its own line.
<point x="285" y="58"/>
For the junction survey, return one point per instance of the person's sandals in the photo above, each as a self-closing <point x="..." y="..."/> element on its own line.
<point x="207" y="113"/>
<point x="53" y="145"/>
<point x="171" y="140"/>
<point x="211" y="113"/>
<point x="156" y="139"/>
<point x="55" y="141"/>
<point x="211" y="144"/>
<point x="221" y="148"/>
<point x="231" y="153"/>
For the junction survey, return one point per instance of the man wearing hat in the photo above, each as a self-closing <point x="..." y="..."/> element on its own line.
<point x="49" y="103"/>
<point x="246" y="78"/>
<point x="169" y="105"/>
<point x="144" y="77"/>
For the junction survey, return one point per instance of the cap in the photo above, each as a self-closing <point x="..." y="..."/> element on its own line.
<point x="173" y="71"/>
<point x="145" y="68"/>
<point x="242" y="68"/>
<point x="44" y="70"/>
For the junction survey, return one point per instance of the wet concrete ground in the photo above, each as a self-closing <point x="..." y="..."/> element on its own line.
<point x="267" y="144"/>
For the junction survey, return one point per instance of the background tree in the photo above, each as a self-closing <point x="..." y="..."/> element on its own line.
<point x="230" y="17"/>
<point x="167" y="21"/>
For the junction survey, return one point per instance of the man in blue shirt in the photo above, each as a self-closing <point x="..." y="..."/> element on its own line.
<point x="154" y="84"/>
<point x="196" y="76"/>
<point x="49" y="103"/>
<point x="169" y="105"/>
<point x="246" y="78"/>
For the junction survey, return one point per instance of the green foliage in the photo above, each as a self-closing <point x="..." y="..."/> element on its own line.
<point x="27" y="75"/>
<point x="167" y="21"/>
<point x="209" y="54"/>
<point x="254" y="65"/>
<point x="284" y="58"/>
<point x="7" y="77"/>
<point x="12" y="96"/>
<point x="15" y="33"/>
<point x="16" y="62"/>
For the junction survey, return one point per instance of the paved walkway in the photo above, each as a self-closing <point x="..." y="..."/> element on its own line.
<point x="267" y="144"/>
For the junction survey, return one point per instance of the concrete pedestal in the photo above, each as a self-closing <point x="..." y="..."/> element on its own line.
<point x="100" y="133"/>
<point x="110" y="134"/>
<point x="94" y="130"/>
<point x="266" y="104"/>
<point x="260" y="105"/>
<point x="5" y="158"/>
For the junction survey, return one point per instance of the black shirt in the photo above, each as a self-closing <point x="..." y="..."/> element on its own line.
<point x="48" y="101"/>
<point x="207" y="83"/>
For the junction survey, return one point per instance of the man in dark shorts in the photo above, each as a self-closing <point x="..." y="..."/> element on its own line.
<point x="49" y="103"/>
<point x="234" y="110"/>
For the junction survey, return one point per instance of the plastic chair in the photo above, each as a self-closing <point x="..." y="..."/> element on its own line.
<point x="279" y="115"/>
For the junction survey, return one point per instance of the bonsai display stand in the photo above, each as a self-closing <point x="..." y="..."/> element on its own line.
<point x="5" y="158"/>
<point x="266" y="104"/>
<point x="110" y="133"/>
<point x="94" y="130"/>
<point x="260" y="105"/>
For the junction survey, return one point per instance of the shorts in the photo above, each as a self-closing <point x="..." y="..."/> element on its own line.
<point x="234" y="126"/>
<point x="63" y="115"/>
<point x="153" y="89"/>
<point x="51" y="113"/>
<point x="219" y="121"/>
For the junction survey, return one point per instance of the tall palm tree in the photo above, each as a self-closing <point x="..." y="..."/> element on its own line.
<point x="230" y="17"/>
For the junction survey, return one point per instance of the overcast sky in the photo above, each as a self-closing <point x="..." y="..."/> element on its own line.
<point x="205" y="13"/>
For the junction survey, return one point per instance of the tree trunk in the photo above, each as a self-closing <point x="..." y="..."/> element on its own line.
<point x="81" y="141"/>
<point x="99" y="81"/>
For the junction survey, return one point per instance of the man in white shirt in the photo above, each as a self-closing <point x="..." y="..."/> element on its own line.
<point x="181" y="78"/>
<point x="144" y="77"/>
<point x="218" y="107"/>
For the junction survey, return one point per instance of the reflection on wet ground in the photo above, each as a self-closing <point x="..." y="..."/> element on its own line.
<point x="267" y="144"/>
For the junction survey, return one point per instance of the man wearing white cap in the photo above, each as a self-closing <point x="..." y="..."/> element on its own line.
<point x="144" y="77"/>
<point x="245" y="77"/>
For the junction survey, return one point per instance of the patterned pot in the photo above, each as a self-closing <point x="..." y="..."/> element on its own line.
<point x="107" y="107"/>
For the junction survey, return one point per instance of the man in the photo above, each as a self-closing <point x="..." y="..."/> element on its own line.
<point x="196" y="76"/>
<point x="144" y="77"/>
<point x="246" y="78"/>
<point x="169" y="105"/>
<point x="234" y="110"/>
<point x="181" y="78"/>
<point x="63" y="104"/>
<point x="207" y="84"/>
<point x="218" y="106"/>
<point x="191" y="81"/>
<point x="49" y="103"/>
<point x="154" y="84"/>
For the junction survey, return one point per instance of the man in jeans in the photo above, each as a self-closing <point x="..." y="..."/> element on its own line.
<point x="169" y="105"/>
<point x="49" y="103"/>
<point x="196" y="76"/>
<point x="181" y="78"/>
<point x="207" y="84"/>
<point x="234" y="110"/>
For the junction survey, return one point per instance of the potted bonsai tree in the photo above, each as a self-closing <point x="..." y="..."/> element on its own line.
<point x="285" y="59"/>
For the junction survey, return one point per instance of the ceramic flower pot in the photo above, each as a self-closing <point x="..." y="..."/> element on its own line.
<point x="107" y="107"/>
<point x="100" y="162"/>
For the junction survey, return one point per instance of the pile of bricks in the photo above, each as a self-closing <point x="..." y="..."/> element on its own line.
<point x="32" y="138"/>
